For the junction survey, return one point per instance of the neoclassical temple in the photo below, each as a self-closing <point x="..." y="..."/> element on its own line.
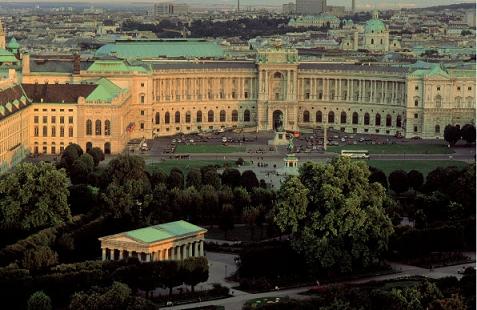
<point x="170" y="241"/>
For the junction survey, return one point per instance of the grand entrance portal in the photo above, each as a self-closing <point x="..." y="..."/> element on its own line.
<point x="278" y="121"/>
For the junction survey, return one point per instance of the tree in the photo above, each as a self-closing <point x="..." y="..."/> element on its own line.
<point x="81" y="169"/>
<point x="158" y="177"/>
<point x="249" y="216"/>
<point x="195" y="271"/>
<point x="241" y="199"/>
<point x="398" y="181"/>
<point x="379" y="176"/>
<point x="231" y="177"/>
<point x="118" y="296"/>
<point x="175" y="179"/>
<point x="249" y="180"/>
<point x="290" y="210"/>
<point x="194" y="178"/>
<point x="169" y="275"/>
<point x="465" y="32"/>
<point x="83" y="198"/>
<point x="71" y="153"/>
<point x="468" y="133"/>
<point x="455" y="302"/>
<point x="416" y="179"/>
<point x="226" y="219"/>
<point x="345" y="225"/>
<point x="97" y="154"/>
<point x="211" y="177"/>
<point x="452" y="134"/>
<point x="34" y="196"/>
<point x="39" y="301"/>
<point x="39" y="258"/>
<point x="125" y="168"/>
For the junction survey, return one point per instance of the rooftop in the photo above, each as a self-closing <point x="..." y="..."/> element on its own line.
<point x="175" y="48"/>
<point x="58" y="93"/>
<point x="164" y="232"/>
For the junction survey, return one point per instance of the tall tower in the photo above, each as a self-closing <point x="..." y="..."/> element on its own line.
<point x="238" y="5"/>
<point x="353" y="6"/>
<point x="3" y="40"/>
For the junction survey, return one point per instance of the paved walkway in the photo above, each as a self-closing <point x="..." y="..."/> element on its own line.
<point x="218" y="261"/>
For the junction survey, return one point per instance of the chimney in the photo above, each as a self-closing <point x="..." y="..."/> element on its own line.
<point x="26" y="64"/>
<point x="76" y="64"/>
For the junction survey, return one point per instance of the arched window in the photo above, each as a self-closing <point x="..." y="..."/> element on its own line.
<point x="458" y="101"/>
<point x="382" y="41"/>
<point x="167" y="118"/>
<point x="389" y="121"/>
<point x="319" y="117"/>
<point x="438" y="129"/>
<point x="234" y="116"/>
<point x="158" y="118"/>
<point x="222" y="116"/>
<point x="438" y="101"/>
<point x="366" y="118"/>
<point x="199" y="117"/>
<point x="372" y="41"/>
<point x="97" y="129"/>
<point x="89" y="127"/>
<point x="306" y="117"/>
<point x="399" y="121"/>
<point x="107" y="128"/>
<point x="331" y="117"/>
<point x="377" y="121"/>
<point x="177" y="117"/>
<point x="210" y="116"/>
<point x="89" y="146"/>
<point x="107" y="148"/>
<point x="246" y="116"/>
<point x="188" y="117"/>
<point x="343" y="117"/>
<point x="469" y="100"/>
<point x="355" y="118"/>
<point x="416" y="102"/>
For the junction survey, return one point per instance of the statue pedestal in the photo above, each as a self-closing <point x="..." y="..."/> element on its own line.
<point x="279" y="139"/>
<point x="291" y="165"/>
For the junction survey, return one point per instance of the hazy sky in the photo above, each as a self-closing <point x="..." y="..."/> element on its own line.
<point x="360" y="3"/>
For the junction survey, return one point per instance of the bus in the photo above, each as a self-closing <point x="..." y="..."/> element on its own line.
<point x="355" y="154"/>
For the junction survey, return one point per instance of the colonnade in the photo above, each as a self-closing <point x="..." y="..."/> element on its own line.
<point x="352" y="90"/>
<point x="179" y="251"/>
<point x="197" y="88"/>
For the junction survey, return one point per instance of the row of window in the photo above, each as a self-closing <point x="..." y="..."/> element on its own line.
<point x="438" y="88"/>
<point x="98" y="128"/>
<point x="36" y="119"/>
<point x="355" y="118"/>
<point x="199" y="117"/>
<point x="36" y="132"/>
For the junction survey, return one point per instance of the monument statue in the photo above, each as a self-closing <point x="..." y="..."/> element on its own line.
<point x="280" y="123"/>
<point x="291" y="145"/>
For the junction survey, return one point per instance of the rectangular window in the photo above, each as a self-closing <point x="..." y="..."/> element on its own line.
<point x="438" y="88"/>
<point x="143" y="99"/>
<point x="37" y="131"/>
<point x="53" y="119"/>
<point x="45" y="119"/>
<point x="36" y="119"/>
<point x="70" y="132"/>
<point x="416" y="115"/>
<point x="416" y="88"/>
<point x="45" y="131"/>
<point x="70" y="120"/>
<point x="62" y="119"/>
<point x="142" y="112"/>
<point x="142" y="84"/>
<point x="142" y="126"/>
<point x="53" y="131"/>
<point x="415" y="128"/>
<point x="62" y="131"/>
<point x="470" y="88"/>
<point x="53" y="150"/>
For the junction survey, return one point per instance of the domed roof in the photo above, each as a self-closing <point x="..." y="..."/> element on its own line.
<point x="375" y="25"/>
<point x="13" y="44"/>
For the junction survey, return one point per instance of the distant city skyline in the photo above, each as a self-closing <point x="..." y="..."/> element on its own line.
<point x="363" y="4"/>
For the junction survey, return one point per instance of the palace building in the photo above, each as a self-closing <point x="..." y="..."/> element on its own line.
<point x="147" y="89"/>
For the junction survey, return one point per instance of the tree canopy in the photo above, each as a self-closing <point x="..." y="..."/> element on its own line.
<point x="345" y="226"/>
<point x="34" y="196"/>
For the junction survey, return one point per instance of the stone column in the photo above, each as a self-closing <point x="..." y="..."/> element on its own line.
<point x="352" y="90"/>
<point x="196" y="249"/>
<point x="120" y="254"/>
<point x="189" y="246"/>
<point x="148" y="257"/>
<point x="166" y="254"/>
<point x="103" y="254"/>
<point x="201" y="248"/>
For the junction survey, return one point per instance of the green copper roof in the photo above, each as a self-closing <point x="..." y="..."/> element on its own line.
<point x="106" y="91"/>
<point x="13" y="44"/>
<point x="435" y="70"/>
<point x="375" y="26"/>
<point x="6" y="56"/>
<point x="164" y="231"/>
<point x="162" y="49"/>
<point x="105" y="66"/>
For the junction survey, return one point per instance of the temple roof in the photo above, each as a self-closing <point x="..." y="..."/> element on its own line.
<point x="160" y="232"/>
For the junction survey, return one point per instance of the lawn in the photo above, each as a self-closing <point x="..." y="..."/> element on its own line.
<point x="395" y="148"/>
<point x="187" y="165"/>
<point x="208" y="148"/>
<point x="424" y="166"/>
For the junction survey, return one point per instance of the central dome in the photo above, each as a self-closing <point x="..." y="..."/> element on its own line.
<point x="375" y="26"/>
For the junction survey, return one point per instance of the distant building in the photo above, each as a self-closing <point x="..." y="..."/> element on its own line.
<point x="470" y="18"/>
<point x="336" y="10"/>
<point x="289" y="8"/>
<point x="322" y="20"/>
<point x="353" y="6"/>
<point x="3" y="35"/>
<point x="310" y="7"/>
<point x="167" y="9"/>
<point x="376" y="35"/>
